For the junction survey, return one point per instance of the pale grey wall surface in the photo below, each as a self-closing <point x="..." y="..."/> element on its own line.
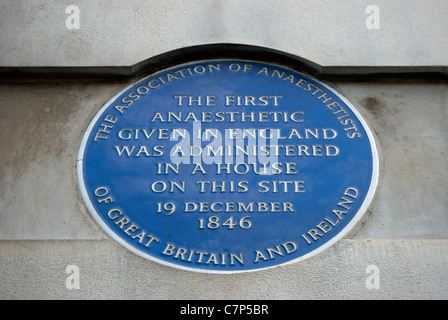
<point x="122" y="33"/>
<point x="41" y="126"/>
<point x="409" y="269"/>
<point x="44" y="225"/>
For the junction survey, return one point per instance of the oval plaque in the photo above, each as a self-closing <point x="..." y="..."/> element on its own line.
<point x="227" y="166"/>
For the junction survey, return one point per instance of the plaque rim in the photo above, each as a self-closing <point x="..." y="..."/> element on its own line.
<point x="358" y="216"/>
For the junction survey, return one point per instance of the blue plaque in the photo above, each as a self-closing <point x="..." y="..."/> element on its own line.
<point x="227" y="166"/>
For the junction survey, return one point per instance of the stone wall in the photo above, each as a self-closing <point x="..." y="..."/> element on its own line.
<point x="45" y="226"/>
